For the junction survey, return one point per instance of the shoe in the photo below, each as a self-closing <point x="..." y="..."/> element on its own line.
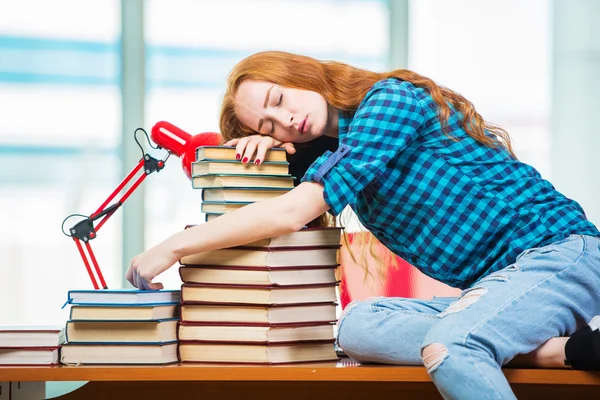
<point x="582" y="350"/>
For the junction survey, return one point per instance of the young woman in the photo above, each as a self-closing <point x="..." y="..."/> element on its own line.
<point x="439" y="187"/>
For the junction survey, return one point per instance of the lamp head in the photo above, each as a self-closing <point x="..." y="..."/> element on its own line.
<point x="181" y="143"/>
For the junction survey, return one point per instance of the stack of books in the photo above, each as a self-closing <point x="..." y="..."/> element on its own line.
<point x="271" y="301"/>
<point x="121" y="327"/>
<point x="228" y="184"/>
<point x="30" y="345"/>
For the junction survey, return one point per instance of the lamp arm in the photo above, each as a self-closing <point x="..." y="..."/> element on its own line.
<point x="84" y="230"/>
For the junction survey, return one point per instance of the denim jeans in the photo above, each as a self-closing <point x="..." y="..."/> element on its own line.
<point x="549" y="291"/>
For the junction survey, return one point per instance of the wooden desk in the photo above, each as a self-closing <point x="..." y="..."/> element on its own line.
<point x="340" y="381"/>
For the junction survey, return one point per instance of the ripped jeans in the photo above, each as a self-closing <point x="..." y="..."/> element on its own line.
<point x="548" y="292"/>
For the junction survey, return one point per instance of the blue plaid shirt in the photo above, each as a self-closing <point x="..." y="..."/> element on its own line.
<point x="455" y="209"/>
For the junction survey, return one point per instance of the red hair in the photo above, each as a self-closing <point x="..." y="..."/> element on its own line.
<point x="343" y="87"/>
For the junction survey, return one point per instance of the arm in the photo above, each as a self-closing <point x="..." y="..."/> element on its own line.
<point x="269" y="218"/>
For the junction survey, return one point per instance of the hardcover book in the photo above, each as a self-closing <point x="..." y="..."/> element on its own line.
<point x="124" y="312"/>
<point x="237" y="167"/>
<point x="31" y="336"/>
<point x="220" y="207"/>
<point x="265" y="257"/>
<point x="242" y="195"/>
<point x="246" y="294"/>
<point x="29" y="355"/>
<point x="256" y="353"/>
<point x="90" y="354"/>
<point x="292" y="333"/>
<point x="257" y="276"/>
<point x="256" y="314"/>
<point x="122" y="296"/>
<point x="229" y="153"/>
<point x="236" y="181"/>
<point x="95" y="332"/>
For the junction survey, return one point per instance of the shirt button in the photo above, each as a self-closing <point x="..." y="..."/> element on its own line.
<point x="413" y="259"/>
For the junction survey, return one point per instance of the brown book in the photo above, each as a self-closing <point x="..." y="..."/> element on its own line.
<point x="249" y="181"/>
<point x="90" y="354"/>
<point x="265" y="257"/>
<point x="305" y="237"/>
<point x="122" y="332"/>
<point x="256" y="353"/>
<point x="29" y="355"/>
<point x="328" y="237"/>
<point x="257" y="276"/>
<point x="247" y="294"/>
<point x="292" y="333"/>
<point x="229" y="153"/>
<point x="258" y="314"/>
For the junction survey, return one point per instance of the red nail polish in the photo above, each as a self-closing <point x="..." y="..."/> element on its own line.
<point x="245" y="160"/>
<point x="238" y="156"/>
<point x="257" y="161"/>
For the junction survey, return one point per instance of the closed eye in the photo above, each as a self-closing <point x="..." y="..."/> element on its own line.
<point x="280" y="100"/>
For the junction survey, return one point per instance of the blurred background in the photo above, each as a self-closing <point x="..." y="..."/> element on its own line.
<point x="78" y="77"/>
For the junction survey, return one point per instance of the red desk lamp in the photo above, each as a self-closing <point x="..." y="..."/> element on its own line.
<point x="166" y="136"/>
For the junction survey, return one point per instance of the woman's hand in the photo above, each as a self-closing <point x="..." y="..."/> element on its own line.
<point x="248" y="145"/>
<point x="147" y="265"/>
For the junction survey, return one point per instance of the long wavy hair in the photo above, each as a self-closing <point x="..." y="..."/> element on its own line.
<point x="344" y="87"/>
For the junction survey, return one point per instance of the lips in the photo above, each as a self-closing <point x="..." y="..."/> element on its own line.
<point x="302" y="126"/>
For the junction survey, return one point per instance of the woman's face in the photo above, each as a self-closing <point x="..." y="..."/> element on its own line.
<point x="288" y="115"/>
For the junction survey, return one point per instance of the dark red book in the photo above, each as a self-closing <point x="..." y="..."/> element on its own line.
<point x="258" y="314"/>
<point x="240" y="275"/>
<point x="255" y="333"/>
<point x="265" y="353"/>
<point x="254" y="294"/>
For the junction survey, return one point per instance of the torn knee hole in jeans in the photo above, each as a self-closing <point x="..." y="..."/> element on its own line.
<point x="433" y="355"/>
<point x="469" y="298"/>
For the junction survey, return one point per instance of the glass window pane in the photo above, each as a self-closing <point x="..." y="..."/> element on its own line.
<point x="59" y="142"/>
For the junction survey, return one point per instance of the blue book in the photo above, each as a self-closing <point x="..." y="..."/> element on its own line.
<point x="242" y="195"/>
<point x="207" y="167"/>
<point x="240" y="180"/>
<point x="122" y="296"/>
<point x="123" y="312"/>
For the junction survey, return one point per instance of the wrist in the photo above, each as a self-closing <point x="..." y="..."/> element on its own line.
<point x="180" y="245"/>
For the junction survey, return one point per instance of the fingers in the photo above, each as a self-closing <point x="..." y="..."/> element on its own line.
<point x="155" y="286"/>
<point x="232" y="142"/>
<point x="250" y="149"/>
<point x="261" y="151"/>
<point x="240" y="147"/>
<point x="289" y="147"/>
<point x="255" y="147"/>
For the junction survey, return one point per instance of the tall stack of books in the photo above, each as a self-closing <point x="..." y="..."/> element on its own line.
<point x="228" y="184"/>
<point x="121" y="327"/>
<point x="30" y="345"/>
<point x="268" y="302"/>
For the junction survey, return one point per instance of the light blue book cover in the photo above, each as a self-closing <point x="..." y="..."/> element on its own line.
<point x="122" y="296"/>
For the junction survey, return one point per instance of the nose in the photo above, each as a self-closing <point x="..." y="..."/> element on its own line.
<point x="285" y="119"/>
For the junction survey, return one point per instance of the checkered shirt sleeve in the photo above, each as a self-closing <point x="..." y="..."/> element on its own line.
<point x="385" y="123"/>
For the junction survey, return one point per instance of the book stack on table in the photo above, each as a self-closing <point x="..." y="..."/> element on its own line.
<point x="121" y="327"/>
<point x="271" y="301"/>
<point x="228" y="184"/>
<point x="30" y="345"/>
